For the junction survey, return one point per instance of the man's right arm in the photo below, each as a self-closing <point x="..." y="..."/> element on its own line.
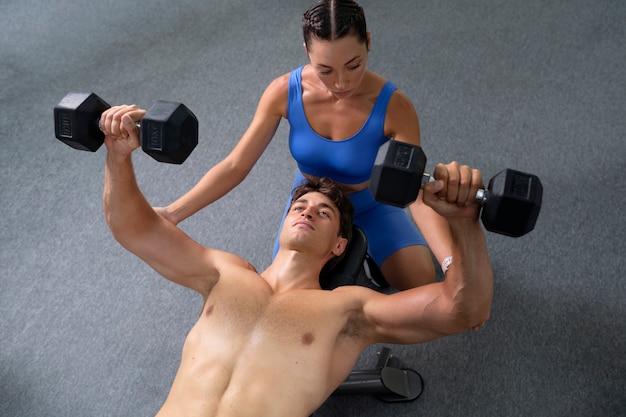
<point x="133" y="222"/>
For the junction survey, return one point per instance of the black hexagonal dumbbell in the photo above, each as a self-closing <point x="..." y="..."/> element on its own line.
<point x="169" y="130"/>
<point x="511" y="203"/>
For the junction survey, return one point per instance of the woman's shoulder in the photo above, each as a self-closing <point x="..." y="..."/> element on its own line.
<point x="280" y="85"/>
<point x="281" y="82"/>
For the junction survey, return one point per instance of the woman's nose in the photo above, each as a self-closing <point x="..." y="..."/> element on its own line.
<point x="340" y="83"/>
<point x="340" y="80"/>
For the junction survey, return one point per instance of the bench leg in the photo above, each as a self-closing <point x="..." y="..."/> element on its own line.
<point x="385" y="382"/>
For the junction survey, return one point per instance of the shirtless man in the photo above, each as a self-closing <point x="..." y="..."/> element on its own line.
<point x="275" y="344"/>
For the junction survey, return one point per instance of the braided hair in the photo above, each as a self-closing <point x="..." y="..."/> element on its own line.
<point x="328" y="20"/>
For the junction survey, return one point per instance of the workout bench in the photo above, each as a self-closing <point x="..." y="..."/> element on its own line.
<point x="387" y="383"/>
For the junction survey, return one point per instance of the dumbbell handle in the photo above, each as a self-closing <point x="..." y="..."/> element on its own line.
<point x="481" y="195"/>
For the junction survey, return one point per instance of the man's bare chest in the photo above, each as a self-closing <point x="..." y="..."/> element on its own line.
<point x="300" y="318"/>
<point x="253" y="342"/>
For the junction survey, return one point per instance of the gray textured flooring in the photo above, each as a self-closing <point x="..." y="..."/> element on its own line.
<point x="88" y="330"/>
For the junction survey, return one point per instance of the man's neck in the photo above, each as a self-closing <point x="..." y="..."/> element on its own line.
<point x="292" y="270"/>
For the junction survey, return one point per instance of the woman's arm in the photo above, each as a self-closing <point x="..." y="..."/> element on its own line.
<point x="233" y="169"/>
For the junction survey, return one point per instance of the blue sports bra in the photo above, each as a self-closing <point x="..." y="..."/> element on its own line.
<point x="348" y="161"/>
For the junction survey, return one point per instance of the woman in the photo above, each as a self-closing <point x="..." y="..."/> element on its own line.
<point x="340" y="113"/>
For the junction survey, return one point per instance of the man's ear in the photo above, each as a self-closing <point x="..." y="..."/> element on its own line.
<point x="340" y="247"/>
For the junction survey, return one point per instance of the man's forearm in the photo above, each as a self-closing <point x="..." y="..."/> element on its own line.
<point x="470" y="277"/>
<point x="434" y="228"/>
<point x="125" y="208"/>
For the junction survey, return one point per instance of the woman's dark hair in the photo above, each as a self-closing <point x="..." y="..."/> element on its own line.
<point x="328" y="20"/>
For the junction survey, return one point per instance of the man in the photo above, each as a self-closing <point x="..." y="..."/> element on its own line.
<point x="275" y="344"/>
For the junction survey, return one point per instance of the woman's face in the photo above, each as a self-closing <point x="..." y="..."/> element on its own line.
<point x="339" y="64"/>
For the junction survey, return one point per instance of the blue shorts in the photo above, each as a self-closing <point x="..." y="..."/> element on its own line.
<point x="388" y="228"/>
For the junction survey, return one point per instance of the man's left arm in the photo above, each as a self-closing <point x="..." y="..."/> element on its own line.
<point x="463" y="300"/>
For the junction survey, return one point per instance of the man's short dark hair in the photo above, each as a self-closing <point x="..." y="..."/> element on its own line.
<point x="335" y="194"/>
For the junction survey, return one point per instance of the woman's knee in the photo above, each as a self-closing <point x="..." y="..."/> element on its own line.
<point x="409" y="267"/>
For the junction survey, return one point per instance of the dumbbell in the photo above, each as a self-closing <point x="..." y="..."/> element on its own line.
<point x="168" y="131"/>
<point x="510" y="204"/>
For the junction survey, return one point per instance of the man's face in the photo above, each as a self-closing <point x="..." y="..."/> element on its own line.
<point x="313" y="222"/>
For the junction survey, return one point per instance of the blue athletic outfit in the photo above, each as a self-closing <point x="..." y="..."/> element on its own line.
<point x="350" y="161"/>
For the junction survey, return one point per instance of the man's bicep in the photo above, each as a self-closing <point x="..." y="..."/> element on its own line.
<point x="412" y="316"/>
<point x="177" y="257"/>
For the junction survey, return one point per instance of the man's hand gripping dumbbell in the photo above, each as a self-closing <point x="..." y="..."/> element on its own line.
<point x="169" y="130"/>
<point x="510" y="204"/>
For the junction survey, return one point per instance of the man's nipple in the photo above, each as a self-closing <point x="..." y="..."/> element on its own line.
<point x="308" y="338"/>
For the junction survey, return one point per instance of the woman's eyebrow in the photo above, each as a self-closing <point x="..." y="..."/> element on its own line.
<point x="347" y="63"/>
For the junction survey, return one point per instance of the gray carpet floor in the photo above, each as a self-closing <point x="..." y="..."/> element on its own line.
<point x="88" y="330"/>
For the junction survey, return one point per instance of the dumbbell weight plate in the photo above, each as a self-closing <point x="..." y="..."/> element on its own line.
<point x="169" y="132"/>
<point x="74" y="121"/>
<point x="397" y="173"/>
<point x="513" y="202"/>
